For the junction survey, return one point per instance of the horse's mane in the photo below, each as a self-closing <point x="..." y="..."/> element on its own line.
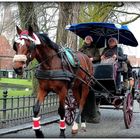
<point x="44" y="37"/>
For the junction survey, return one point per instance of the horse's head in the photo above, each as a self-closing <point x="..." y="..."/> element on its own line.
<point x="24" y="44"/>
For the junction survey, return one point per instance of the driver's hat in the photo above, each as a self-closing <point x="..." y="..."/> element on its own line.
<point x="113" y="39"/>
<point x="89" y="38"/>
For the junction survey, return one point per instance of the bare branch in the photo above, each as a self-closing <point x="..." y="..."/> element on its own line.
<point x="125" y="12"/>
<point x="130" y="21"/>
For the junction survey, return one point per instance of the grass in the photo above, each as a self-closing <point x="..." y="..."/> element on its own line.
<point x="16" y="81"/>
<point x="16" y="93"/>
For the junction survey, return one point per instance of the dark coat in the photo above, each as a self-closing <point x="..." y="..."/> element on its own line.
<point x="109" y="52"/>
<point x="91" y="51"/>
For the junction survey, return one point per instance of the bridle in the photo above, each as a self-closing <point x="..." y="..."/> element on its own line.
<point x="31" y="48"/>
<point x="33" y="42"/>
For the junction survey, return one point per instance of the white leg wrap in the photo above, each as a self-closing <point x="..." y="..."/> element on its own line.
<point x="75" y="126"/>
<point x="83" y="125"/>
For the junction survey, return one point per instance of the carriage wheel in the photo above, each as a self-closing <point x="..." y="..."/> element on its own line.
<point x="128" y="110"/>
<point x="70" y="109"/>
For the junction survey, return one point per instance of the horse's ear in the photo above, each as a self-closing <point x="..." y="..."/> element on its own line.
<point x="18" y="30"/>
<point x="30" y="31"/>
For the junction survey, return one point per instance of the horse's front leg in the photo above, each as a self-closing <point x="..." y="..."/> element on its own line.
<point x="61" y="111"/>
<point x="36" y="118"/>
<point x="80" y="117"/>
<point x="76" y="94"/>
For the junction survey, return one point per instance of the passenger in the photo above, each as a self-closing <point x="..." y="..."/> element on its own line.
<point x="115" y="53"/>
<point x="90" y="49"/>
<point x="112" y="51"/>
<point x="91" y="109"/>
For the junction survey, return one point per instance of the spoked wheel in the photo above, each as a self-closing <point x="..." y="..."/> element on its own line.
<point x="70" y="109"/>
<point x="128" y="110"/>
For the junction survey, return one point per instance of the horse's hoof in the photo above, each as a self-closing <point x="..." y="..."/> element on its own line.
<point x="39" y="134"/>
<point x="74" y="131"/>
<point x="62" y="136"/>
<point x="83" y="127"/>
<point x="62" y="133"/>
<point x="74" y="128"/>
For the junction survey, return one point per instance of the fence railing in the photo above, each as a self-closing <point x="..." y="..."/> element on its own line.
<point x="18" y="110"/>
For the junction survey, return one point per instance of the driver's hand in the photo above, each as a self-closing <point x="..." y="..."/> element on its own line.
<point x="91" y="58"/>
<point x="103" y="57"/>
<point x="114" y="56"/>
<point x="131" y="82"/>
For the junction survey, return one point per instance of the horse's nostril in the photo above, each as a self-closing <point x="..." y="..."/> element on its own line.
<point x="18" y="71"/>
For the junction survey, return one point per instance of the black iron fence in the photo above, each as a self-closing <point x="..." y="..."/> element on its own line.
<point x="19" y="110"/>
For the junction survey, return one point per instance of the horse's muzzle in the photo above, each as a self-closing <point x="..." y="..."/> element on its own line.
<point x="18" y="71"/>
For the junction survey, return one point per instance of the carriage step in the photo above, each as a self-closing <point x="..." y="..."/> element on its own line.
<point x="111" y="107"/>
<point x="136" y="112"/>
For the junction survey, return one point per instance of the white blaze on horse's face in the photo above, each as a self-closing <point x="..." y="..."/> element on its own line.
<point x="22" y="42"/>
<point x="23" y="50"/>
<point x="20" y="57"/>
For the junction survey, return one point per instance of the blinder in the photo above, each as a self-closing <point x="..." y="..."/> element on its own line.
<point x="20" y="40"/>
<point x="30" y="48"/>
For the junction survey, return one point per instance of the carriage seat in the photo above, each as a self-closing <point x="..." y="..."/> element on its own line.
<point x="106" y="75"/>
<point x="104" y="71"/>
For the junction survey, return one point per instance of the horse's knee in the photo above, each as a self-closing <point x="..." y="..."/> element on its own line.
<point x="36" y="109"/>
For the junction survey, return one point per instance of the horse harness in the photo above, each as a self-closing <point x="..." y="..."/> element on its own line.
<point x="64" y="74"/>
<point x="67" y="56"/>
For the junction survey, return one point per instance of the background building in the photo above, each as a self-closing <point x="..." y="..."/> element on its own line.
<point x="6" y="57"/>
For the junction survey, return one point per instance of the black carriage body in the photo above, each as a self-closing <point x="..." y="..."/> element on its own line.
<point x="105" y="75"/>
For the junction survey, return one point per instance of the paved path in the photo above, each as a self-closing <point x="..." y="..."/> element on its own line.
<point x="111" y="125"/>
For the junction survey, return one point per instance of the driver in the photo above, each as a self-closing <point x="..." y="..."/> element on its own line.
<point x="90" y="49"/>
<point x="91" y="109"/>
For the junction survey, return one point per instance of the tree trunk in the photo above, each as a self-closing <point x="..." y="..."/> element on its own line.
<point x="28" y="17"/>
<point x="74" y="18"/>
<point x="68" y="14"/>
<point x="64" y="11"/>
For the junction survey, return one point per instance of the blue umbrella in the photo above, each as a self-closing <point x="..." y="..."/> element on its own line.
<point x="103" y="31"/>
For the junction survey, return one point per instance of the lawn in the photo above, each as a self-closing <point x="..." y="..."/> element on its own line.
<point x="16" y="93"/>
<point x="16" y="81"/>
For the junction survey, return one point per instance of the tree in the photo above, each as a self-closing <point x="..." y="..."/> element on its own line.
<point x="97" y="11"/>
<point x="73" y="18"/>
<point x="126" y="14"/>
<point x="68" y="13"/>
<point x="64" y="12"/>
<point x="28" y="17"/>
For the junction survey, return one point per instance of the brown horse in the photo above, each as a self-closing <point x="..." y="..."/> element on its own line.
<point x="53" y="74"/>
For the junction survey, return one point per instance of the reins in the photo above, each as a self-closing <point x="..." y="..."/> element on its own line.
<point x="37" y="65"/>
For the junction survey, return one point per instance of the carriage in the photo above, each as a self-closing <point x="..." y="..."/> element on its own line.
<point x="104" y="76"/>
